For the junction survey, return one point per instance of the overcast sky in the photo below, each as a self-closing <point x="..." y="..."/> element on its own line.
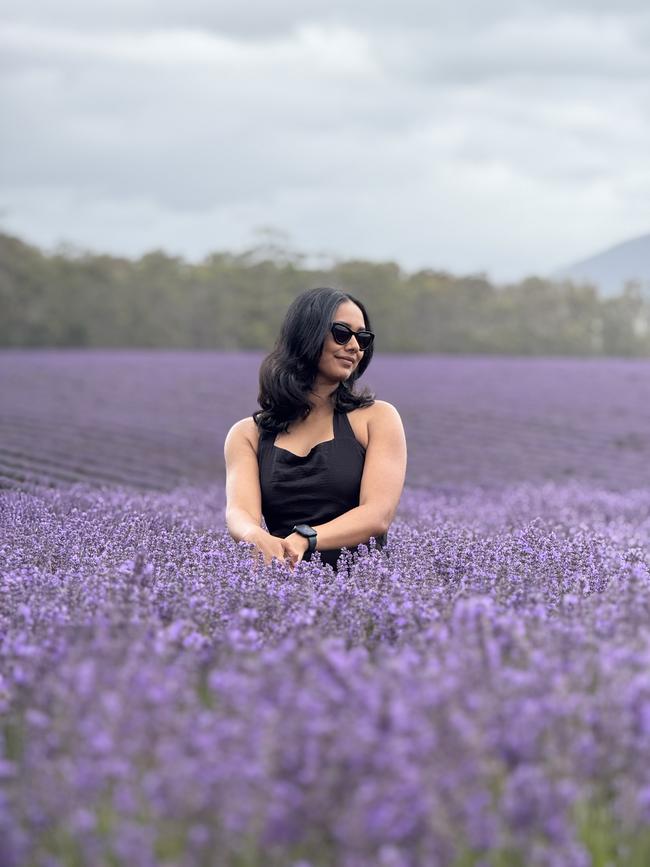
<point x="506" y="137"/>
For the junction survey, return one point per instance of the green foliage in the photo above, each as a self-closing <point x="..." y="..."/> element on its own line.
<point x="607" y="840"/>
<point x="229" y="301"/>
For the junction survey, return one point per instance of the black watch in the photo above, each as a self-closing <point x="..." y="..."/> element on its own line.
<point x="309" y="533"/>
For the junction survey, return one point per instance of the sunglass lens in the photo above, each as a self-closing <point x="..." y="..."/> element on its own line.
<point x="364" y="339"/>
<point x="341" y="333"/>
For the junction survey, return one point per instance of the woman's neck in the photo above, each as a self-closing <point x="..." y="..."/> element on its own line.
<point x="321" y="399"/>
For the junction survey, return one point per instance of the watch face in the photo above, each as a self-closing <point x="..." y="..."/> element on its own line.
<point x="305" y="530"/>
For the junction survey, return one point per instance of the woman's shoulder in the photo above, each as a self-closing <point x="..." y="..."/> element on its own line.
<point x="384" y="403"/>
<point x="246" y="429"/>
<point x="377" y="409"/>
<point x="380" y="415"/>
<point x="367" y="418"/>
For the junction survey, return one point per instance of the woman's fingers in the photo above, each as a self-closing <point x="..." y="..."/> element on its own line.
<point x="256" y="561"/>
<point x="292" y="554"/>
<point x="285" y="555"/>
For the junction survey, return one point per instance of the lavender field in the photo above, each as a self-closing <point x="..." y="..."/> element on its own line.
<point x="156" y="420"/>
<point x="477" y="693"/>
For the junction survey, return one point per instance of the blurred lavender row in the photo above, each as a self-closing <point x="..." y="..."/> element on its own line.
<point x="157" y="419"/>
<point x="477" y="693"/>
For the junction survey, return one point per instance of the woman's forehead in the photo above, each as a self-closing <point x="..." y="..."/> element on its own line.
<point x="348" y="312"/>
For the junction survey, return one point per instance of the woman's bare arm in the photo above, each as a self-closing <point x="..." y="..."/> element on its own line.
<point x="382" y="483"/>
<point x="243" y="495"/>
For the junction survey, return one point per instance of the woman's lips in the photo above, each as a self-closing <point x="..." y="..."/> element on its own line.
<point x="347" y="361"/>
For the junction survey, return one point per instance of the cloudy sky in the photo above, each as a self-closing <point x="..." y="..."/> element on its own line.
<point x="506" y="137"/>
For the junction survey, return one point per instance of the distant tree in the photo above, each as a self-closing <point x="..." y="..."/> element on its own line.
<point x="73" y="297"/>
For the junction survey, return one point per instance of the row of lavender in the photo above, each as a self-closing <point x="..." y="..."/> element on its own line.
<point x="156" y="420"/>
<point x="475" y="694"/>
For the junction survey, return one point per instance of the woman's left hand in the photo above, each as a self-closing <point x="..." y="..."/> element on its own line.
<point x="295" y="548"/>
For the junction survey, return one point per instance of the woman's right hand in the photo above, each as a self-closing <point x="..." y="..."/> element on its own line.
<point x="266" y="547"/>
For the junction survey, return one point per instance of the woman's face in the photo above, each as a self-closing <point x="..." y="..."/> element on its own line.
<point x="338" y="360"/>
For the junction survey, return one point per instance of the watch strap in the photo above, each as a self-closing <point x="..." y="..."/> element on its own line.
<point x="309" y="533"/>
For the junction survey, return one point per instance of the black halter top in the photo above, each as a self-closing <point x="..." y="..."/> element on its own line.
<point x="314" y="488"/>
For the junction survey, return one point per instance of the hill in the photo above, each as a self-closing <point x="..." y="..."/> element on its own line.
<point x="611" y="269"/>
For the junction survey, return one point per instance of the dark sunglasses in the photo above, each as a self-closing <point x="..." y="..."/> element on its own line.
<point x="342" y="334"/>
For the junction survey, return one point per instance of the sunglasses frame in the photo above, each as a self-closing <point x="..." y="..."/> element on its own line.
<point x="352" y="334"/>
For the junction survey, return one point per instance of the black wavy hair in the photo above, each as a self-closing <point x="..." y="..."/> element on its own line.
<point x="288" y="372"/>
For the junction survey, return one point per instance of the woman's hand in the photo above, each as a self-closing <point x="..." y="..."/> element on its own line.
<point x="267" y="547"/>
<point x="295" y="546"/>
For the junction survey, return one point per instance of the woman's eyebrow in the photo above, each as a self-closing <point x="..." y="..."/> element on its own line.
<point x="345" y="322"/>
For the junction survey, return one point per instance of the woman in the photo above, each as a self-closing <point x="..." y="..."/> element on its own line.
<point x="324" y="465"/>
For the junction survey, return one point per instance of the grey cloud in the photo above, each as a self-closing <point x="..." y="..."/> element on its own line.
<point x="189" y="141"/>
<point x="549" y="49"/>
<point x="259" y="19"/>
<point x="425" y="44"/>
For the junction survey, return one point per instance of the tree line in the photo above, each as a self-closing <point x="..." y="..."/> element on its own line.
<point x="237" y="301"/>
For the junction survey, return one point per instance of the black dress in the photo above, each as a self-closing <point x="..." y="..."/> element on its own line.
<point x="314" y="488"/>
